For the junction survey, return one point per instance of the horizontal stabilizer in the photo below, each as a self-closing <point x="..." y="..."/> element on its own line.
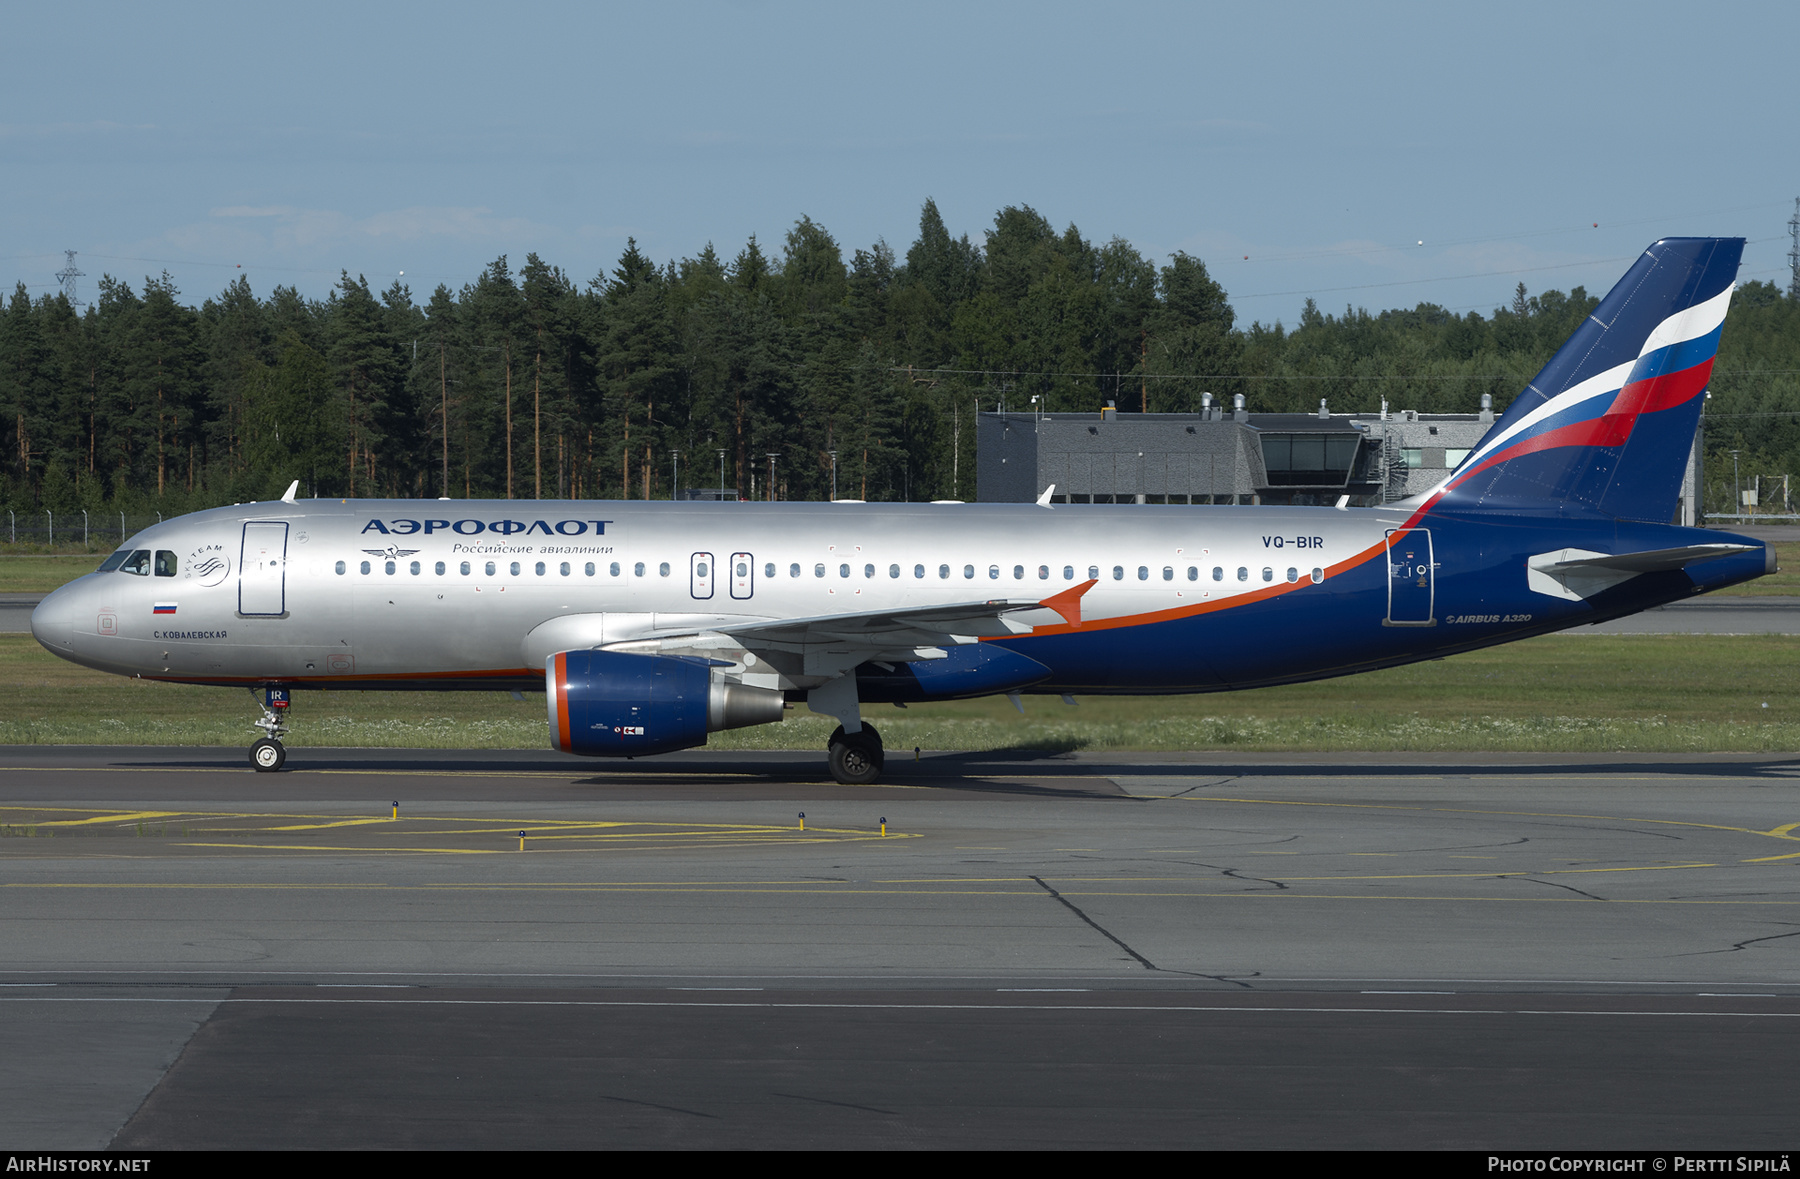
<point x="1578" y="574"/>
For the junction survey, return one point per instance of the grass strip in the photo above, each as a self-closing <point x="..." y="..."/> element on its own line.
<point x="1560" y="693"/>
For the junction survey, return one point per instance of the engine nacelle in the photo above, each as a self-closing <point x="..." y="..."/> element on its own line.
<point x="611" y="704"/>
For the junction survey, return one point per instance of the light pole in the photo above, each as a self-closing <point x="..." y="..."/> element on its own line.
<point x="675" y="479"/>
<point x="1737" y="496"/>
<point x="833" y="454"/>
<point x="721" y="473"/>
<point x="772" y="458"/>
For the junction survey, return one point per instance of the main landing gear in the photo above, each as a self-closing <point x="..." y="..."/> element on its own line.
<point x="857" y="759"/>
<point x="268" y="753"/>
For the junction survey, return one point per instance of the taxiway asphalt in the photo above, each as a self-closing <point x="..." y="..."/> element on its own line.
<point x="1070" y="950"/>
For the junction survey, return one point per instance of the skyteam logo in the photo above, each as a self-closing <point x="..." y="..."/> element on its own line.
<point x="209" y="564"/>
<point x="496" y="527"/>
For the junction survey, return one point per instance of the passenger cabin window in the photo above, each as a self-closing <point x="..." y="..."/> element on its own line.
<point x="137" y="564"/>
<point x="662" y="570"/>
<point x="439" y="569"/>
<point x="919" y="572"/>
<point x="1218" y="573"/>
<point x="1318" y="575"/>
<point x="968" y="571"/>
<point x="365" y="567"/>
<point x="589" y="569"/>
<point x="340" y="568"/>
<point x="993" y="573"/>
<point x="515" y="568"/>
<point x="1143" y="573"/>
<point x="769" y="569"/>
<point x="1293" y="575"/>
<point x="1268" y="574"/>
<point x="613" y="569"/>
<point x="387" y="567"/>
<point x="868" y="570"/>
<point x="638" y="569"/>
<point x="490" y="568"/>
<point x="464" y="569"/>
<point x="1193" y="573"/>
<point x="843" y="570"/>
<point x="1043" y="573"/>
<point x="893" y="571"/>
<point x="1168" y="573"/>
<point x="943" y="572"/>
<point x="818" y="570"/>
<point x="1068" y="573"/>
<point x="415" y="569"/>
<point x="1118" y="573"/>
<point x="1243" y="573"/>
<point x="165" y="563"/>
<point x="794" y="570"/>
<point x="1018" y="573"/>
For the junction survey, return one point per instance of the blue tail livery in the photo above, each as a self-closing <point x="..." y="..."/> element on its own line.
<point x="649" y="625"/>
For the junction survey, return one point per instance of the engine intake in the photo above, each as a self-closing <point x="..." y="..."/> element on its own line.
<point x="611" y="704"/>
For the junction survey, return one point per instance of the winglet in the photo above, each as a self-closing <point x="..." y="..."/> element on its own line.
<point x="287" y="497"/>
<point x="1044" y="499"/>
<point x="1068" y="603"/>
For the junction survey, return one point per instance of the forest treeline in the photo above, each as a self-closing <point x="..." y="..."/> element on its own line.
<point x="527" y="383"/>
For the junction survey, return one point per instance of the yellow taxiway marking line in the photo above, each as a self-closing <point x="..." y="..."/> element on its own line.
<point x="1031" y="893"/>
<point x="505" y="827"/>
<point x="322" y="826"/>
<point x="1347" y="876"/>
<point x="461" y="851"/>
<point x="576" y="773"/>
<point x="115" y="817"/>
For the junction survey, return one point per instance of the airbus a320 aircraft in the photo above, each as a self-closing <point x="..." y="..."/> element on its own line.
<point x="650" y="625"/>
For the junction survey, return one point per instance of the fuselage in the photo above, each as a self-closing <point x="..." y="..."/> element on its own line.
<point x="409" y="593"/>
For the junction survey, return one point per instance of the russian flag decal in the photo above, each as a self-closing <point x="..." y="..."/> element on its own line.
<point x="163" y="608"/>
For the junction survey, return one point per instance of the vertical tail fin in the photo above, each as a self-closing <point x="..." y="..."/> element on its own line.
<point x="1609" y="423"/>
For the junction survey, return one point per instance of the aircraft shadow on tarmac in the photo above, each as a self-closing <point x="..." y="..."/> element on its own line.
<point x="989" y="771"/>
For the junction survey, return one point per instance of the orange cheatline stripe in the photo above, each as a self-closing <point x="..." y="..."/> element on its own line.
<point x="1170" y="615"/>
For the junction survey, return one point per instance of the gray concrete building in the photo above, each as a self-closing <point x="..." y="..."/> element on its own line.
<point x="1220" y="456"/>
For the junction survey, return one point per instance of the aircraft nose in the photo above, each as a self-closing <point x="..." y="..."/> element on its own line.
<point x="53" y="622"/>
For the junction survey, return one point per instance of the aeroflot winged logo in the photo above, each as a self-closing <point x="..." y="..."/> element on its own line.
<point x="477" y="527"/>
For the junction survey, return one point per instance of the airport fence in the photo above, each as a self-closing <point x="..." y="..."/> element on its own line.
<point x="89" y="529"/>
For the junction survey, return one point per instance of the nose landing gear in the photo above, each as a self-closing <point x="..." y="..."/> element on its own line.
<point x="268" y="753"/>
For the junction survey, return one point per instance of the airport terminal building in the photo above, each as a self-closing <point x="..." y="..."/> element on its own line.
<point x="1221" y="456"/>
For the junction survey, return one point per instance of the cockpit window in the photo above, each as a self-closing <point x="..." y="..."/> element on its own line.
<point x="138" y="563"/>
<point x="114" y="561"/>
<point x="165" y="563"/>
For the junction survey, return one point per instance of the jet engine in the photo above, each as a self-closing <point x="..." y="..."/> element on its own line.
<point x="612" y="704"/>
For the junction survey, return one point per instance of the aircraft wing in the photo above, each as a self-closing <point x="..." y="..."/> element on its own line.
<point x="923" y="626"/>
<point x="804" y="652"/>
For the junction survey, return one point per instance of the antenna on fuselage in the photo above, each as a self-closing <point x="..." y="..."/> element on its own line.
<point x="287" y="497"/>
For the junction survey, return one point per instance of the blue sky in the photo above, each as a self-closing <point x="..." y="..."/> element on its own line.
<point x="1325" y="142"/>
